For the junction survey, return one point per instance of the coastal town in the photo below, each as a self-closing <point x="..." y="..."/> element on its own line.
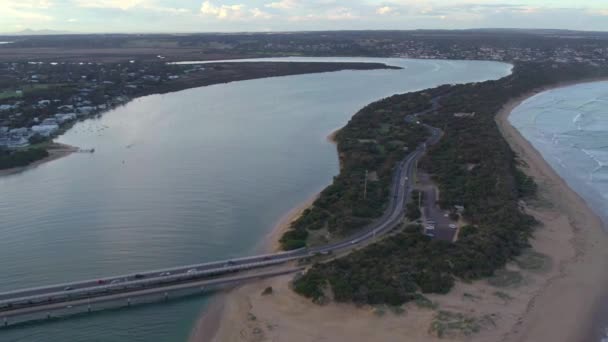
<point x="437" y="222"/>
<point x="39" y="99"/>
<point x="42" y="99"/>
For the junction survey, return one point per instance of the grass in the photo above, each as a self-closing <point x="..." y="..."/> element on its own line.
<point x="470" y="296"/>
<point x="7" y="94"/>
<point x="425" y="303"/>
<point x="533" y="261"/>
<point x="447" y="323"/>
<point x="503" y="296"/>
<point x="505" y="278"/>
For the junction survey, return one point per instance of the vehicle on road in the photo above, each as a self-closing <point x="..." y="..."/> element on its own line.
<point x="164" y="274"/>
<point x="453" y="226"/>
<point x="67" y="288"/>
<point x="193" y="270"/>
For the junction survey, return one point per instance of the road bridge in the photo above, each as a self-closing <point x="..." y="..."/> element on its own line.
<point x="44" y="298"/>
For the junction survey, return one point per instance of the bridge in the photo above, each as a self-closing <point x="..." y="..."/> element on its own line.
<point x="87" y="294"/>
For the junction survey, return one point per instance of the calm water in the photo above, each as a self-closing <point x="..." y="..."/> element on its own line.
<point x="569" y="127"/>
<point x="183" y="178"/>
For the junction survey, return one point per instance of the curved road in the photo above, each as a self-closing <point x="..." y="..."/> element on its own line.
<point x="12" y="301"/>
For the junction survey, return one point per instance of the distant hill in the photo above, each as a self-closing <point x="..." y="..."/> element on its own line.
<point x="30" y="32"/>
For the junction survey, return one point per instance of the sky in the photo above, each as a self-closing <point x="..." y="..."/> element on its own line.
<point x="83" y="16"/>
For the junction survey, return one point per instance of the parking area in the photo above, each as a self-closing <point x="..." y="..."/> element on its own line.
<point x="435" y="220"/>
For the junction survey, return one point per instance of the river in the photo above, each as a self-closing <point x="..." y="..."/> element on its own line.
<point x="182" y="178"/>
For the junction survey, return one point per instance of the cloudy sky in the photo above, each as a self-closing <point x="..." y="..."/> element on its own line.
<point x="290" y="15"/>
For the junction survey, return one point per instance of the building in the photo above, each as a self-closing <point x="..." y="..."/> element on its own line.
<point x="45" y="130"/>
<point x="64" y="117"/>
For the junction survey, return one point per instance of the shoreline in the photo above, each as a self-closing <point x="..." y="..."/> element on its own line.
<point x="571" y="236"/>
<point x="208" y="325"/>
<point x="55" y="150"/>
<point x="579" y="284"/>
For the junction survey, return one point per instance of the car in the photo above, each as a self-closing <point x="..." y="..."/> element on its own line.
<point x="139" y="276"/>
<point x="353" y="242"/>
<point x="429" y="227"/>
<point x="453" y="226"/>
<point x="101" y="281"/>
<point x="68" y="288"/>
<point x="193" y="270"/>
<point x="115" y="281"/>
<point x="164" y="274"/>
<point x="230" y="262"/>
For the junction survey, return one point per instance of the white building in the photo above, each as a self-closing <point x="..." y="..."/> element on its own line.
<point x="62" y="118"/>
<point x="45" y="130"/>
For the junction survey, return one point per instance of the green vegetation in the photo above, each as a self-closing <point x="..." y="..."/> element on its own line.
<point x="374" y="140"/>
<point x="412" y="212"/>
<point x="396" y="269"/>
<point x="505" y="278"/>
<point x="423" y="302"/>
<point x="10" y="159"/>
<point x="447" y="323"/>
<point x="502" y="295"/>
<point x="533" y="261"/>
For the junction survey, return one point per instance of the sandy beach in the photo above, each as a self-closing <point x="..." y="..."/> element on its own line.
<point x="56" y="151"/>
<point x="553" y="299"/>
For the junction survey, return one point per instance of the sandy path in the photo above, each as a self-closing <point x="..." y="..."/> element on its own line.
<point x="550" y="304"/>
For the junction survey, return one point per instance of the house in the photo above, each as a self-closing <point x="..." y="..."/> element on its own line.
<point x="17" y="142"/>
<point x="19" y="131"/>
<point x="45" y="130"/>
<point x="49" y="122"/>
<point x="65" y="117"/>
<point x="85" y="110"/>
<point x="6" y="107"/>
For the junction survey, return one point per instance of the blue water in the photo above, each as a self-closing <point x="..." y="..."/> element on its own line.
<point x="183" y="178"/>
<point x="569" y="127"/>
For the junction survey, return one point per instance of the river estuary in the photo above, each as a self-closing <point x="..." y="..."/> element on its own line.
<point x="182" y="178"/>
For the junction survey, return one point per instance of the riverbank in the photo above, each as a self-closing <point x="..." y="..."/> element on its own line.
<point x="55" y="150"/>
<point x="570" y="240"/>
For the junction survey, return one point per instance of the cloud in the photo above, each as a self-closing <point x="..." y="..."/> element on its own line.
<point x="257" y="13"/>
<point x="599" y="11"/>
<point x="384" y="10"/>
<point x="283" y="4"/>
<point x="222" y="11"/>
<point x="341" y="13"/>
<point x="126" y="5"/>
<point x="333" y="14"/>
<point x="233" y="12"/>
<point x="25" y="10"/>
<point x="116" y="4"/>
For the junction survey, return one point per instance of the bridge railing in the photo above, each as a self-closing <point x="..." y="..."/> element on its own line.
<point x="103" y="290"/>
<point x="148" y="274"/>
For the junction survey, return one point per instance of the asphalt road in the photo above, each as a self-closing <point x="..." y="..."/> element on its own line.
<point x="131" y="283"/>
